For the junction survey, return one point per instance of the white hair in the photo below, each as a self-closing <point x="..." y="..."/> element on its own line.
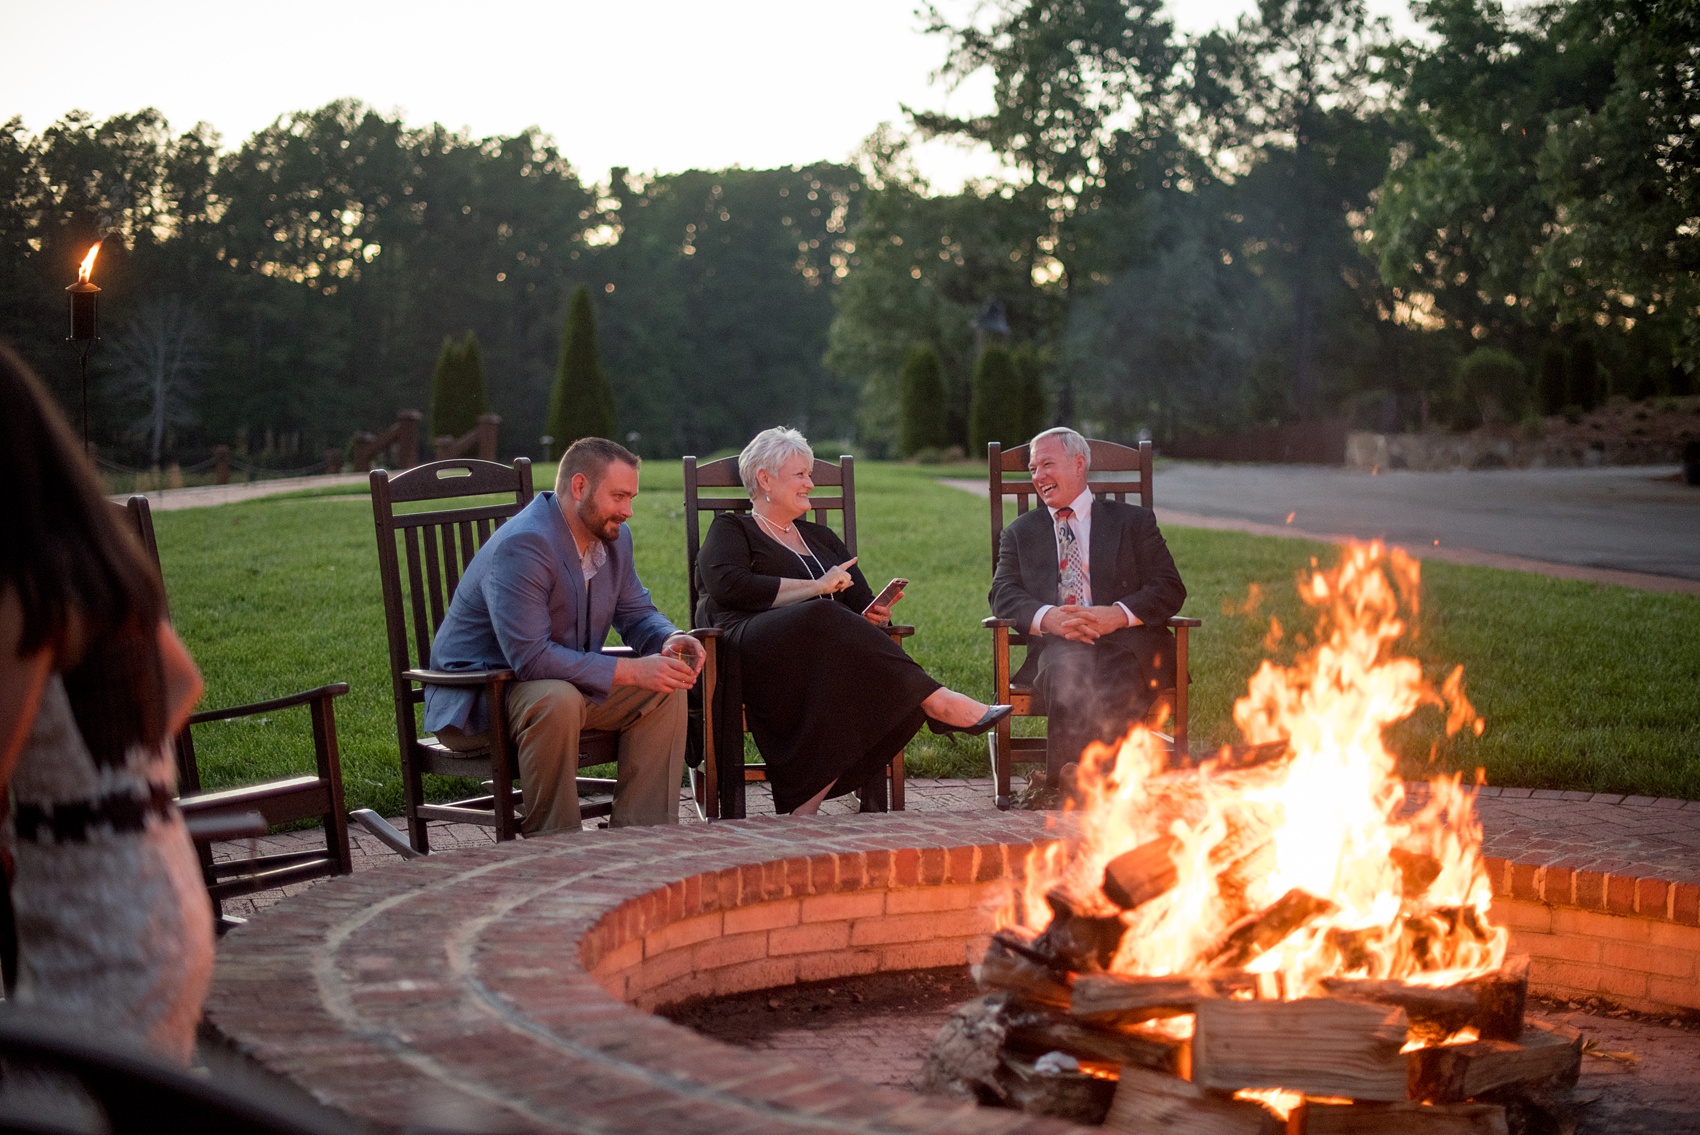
<point x="1073" y="444"/>
<point x="770" y="450"/>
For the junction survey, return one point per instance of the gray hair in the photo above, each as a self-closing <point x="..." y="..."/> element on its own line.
<point x="770" y="450"/>
<point x="1073" y="444"/>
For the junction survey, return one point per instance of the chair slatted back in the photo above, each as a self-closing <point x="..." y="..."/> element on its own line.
<point x="423" y="554"/>
<point x="728" y="495"/>
<point x="135" y="516"/>
<point x="1118" y="472"/>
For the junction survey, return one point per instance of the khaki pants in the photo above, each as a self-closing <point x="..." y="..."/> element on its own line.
<point x="546" y="718"/>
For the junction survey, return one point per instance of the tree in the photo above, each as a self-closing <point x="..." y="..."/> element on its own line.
<point x="996" y="411"/>
<point x="923" y="418"/>
<point x="1552" y="182"/>
<point x="1082" y="90"/>
<point x="1030" y="364"/>
<point x="158" y="352"/>
<point x="457" y="388"/>
<point x="583" y="405"/>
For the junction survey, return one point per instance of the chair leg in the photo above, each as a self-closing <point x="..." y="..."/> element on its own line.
<point x="1003" y="761"/>
<point x="897" y="795"/>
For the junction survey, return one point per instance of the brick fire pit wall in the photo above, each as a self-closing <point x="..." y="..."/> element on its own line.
<point x="506" y="989"/>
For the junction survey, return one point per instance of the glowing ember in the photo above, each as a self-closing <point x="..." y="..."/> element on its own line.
<point x="87" y="267"/>
<point x="1292" y="864"/>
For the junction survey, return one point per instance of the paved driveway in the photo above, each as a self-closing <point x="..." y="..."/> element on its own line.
<point x="1625" y="519"/>
<point x="1638" y="526"/>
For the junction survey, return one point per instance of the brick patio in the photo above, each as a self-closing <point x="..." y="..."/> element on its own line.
<point x="511" y="983"/>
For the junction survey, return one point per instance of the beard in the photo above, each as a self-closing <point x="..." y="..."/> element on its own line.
<point x="604" y="525"/>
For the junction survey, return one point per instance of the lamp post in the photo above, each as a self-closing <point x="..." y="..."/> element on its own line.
<point x="85" y="326"/>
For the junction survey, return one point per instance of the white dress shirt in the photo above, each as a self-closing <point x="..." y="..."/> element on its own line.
<point x="1081" y="522"/>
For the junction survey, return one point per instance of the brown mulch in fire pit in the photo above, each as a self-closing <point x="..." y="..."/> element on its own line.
<point x="1645" y="1070"/>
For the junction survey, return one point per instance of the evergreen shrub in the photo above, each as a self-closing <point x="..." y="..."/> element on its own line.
<point x="921" y="423"/>
<point x="582" y="404"/>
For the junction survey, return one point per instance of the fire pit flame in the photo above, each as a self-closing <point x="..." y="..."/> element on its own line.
<point x="1288" y="859"/>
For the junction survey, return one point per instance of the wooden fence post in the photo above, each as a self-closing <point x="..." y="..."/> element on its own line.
<point x="407" y="438"/>
<point x="487" y="426"/>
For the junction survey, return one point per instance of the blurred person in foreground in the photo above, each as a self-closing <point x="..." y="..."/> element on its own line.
<point x="1093" y="582"/>
<point x="539" y="598"/>
<point x="114" y="928"/>
<point x="830" y="697"/>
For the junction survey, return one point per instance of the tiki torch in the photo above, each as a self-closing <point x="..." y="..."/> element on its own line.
<point x="85" y="326"/>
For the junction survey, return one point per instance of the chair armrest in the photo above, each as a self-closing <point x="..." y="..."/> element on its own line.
<point x="334" y="690"/>
<point x="458" y="677"/>
<point x="994" y="624"/>
<point x="706" y="633"/>
<point x="618" y="652"/>
<point x="898" y="630"/>
<point x="1184" y="621"/>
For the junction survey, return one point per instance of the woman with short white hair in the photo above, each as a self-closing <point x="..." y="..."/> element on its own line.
<point x="827" y="694"/>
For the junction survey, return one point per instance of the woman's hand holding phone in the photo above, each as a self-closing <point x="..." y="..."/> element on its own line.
<point x="879" y="611"/>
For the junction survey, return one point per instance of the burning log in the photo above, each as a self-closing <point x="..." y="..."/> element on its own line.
<point x="1050" y="1087"/>
<point x="1149" y="1101"/>
<point x="992" y="1051"/>
<point x="1258" y="933"/>
<point x="1500" y="999"/>
<point x="1076" y="941"/>
<point x="1039" y="1029"/>
<point x="1318" y="1046"/>
<point x="1417" y="870"/>
<point x="1434" y="1013"/>
<point x="964" y="1060"/>
<point x="1135" y="877"/>
<point x="1404" y="1119"/>
<point x="1125" y="999"/>
<point x="1547" y="1057"/>
<point x="1012" y="964"/>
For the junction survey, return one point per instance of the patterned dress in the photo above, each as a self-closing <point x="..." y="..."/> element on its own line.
<point x="114" y="926"/>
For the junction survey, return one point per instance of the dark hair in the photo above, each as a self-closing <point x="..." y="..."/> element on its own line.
<point x="67" y="556"/>
<point x="591" y="456"/>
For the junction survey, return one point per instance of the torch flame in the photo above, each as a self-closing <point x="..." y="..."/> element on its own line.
<point x="87" y="267"/>
<point x="1402" y="891"/>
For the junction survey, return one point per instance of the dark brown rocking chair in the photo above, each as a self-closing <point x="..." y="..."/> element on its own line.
<point x="1118" y="473"/>
<point x="421" y="556"/>
<point x="250" y="809"/>
<point x="719" y="790"/>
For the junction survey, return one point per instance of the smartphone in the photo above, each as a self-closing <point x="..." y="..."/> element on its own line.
<point x="887" y="593"/>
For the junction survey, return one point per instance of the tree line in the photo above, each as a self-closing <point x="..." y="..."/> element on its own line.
<point x="1299" y="216"/>
<point x="312" y="273"/>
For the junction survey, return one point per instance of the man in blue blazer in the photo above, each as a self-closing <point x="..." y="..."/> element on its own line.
<point x="539" y="599"/>
<point x="1093" y="582"/>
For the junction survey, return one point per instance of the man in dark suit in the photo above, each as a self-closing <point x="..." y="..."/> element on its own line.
<point x="1093" y="582"/>
<point x="540" y="597"/>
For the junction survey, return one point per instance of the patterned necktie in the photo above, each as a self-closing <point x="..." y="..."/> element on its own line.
<point x="1071" y="563"/>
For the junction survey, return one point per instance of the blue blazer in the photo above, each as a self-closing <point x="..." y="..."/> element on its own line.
<point x="520" y="605"/>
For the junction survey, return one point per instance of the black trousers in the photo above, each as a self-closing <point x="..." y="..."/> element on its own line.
<point x="1094" y="692"/>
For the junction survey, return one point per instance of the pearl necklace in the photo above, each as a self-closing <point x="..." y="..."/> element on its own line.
<point x="788" y="528"/>
<point x="771" y="524"/>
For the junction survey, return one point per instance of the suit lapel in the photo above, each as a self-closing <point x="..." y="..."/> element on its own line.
<point x="1044" y="545"/>
<point x="1106" y="534"/>
<point x="566" y="554"/>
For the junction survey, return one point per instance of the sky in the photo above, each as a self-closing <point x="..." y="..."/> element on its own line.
<point x="655" y="85"/>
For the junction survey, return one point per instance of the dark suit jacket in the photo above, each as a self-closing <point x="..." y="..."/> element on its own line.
<point x="1130" y="564"/>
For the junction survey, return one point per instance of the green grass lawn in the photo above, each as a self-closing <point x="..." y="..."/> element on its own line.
<point x="1582" y="686"/>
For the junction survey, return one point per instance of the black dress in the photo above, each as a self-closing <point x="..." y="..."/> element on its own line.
<point x="828" y="695"/>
